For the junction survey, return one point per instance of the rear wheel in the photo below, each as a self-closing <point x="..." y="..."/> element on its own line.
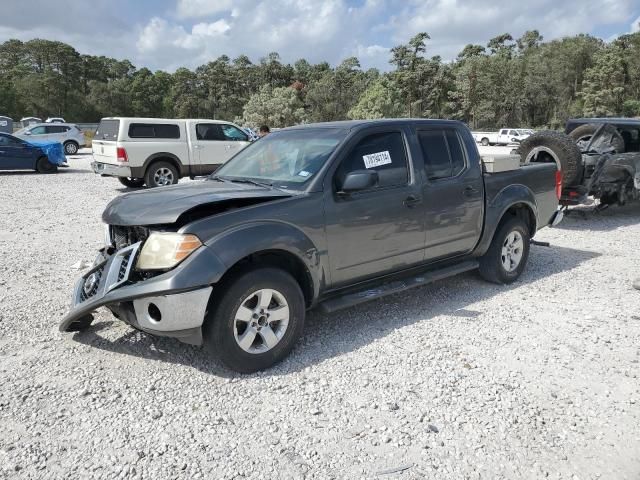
<point x="131" y="182"/>
<point x="485" y="142"/>
<point x="256" y="320"/>
<point x="43" y="165"/>
<point x="554" y="147"/>
<point x="161" y="174"/>
<point x="71" y="148"/>
<point x="507" y="256"/>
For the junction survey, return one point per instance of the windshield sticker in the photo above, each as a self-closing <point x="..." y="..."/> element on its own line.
<point x="304" y="173"/>
<point x="377" y="159"/>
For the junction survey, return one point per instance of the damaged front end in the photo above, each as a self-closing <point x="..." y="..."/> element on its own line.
<point x="166" y="302"/>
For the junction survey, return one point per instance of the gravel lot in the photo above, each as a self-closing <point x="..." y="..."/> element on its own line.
<point x="460" y="379"/>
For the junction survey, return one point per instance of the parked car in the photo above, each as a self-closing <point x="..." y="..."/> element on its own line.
<point x="599" y="157"/>
<point x="55" y="120"/>
<point x="27" y="121"/>
<point x="327" y="215"/>
<point x="69" y="135"/>
<point x="505" y="136"/>
<point x="18" y="154"/>
<point x="158" y="152"/>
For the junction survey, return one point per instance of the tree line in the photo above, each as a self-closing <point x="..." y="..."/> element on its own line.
<point x="515" y="82"/>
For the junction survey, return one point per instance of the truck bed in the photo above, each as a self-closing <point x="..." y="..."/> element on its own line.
<point x="535" y="177"/>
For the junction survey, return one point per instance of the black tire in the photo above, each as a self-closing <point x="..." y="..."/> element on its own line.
<point x="220" y="324"/>
<point x="43" y="165"/>
<point x="131" y="182"/>
<point x="485" y="142"/>
<point x="71" y="148"/>
<point x="151" y="176"/>
<point x="564" y="149"/>
<point x="582" y="136"/>
<point x="492" y="268"/>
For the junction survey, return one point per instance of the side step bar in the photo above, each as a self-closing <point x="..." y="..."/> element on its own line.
<point x="355" y="298"/>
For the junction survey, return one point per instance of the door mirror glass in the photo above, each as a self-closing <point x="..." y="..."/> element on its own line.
<point x="359" y="180"/>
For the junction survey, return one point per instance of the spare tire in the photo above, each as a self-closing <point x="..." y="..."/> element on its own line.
<point x="549" y="146"/>
<point x="582" y="136"/>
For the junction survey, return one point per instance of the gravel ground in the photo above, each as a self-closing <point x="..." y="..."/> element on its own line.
<point x="459" y="379"/>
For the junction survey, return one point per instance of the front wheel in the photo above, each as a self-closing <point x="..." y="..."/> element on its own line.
<point x="131" y="182"/>
<point x="507" y="256"/>
<point x="256" y="319"/>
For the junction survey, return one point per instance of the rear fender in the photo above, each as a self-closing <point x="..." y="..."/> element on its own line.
<point x="505" y="199"/>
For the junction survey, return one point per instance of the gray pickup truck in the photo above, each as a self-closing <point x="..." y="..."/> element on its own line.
<point x="325" y="215"/>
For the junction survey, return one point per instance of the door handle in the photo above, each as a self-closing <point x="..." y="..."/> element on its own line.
<point x="411" y="201"/>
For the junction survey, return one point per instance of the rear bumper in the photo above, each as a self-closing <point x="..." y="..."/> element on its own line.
<point x="110" y="170"/>
<point x="556" y="218"/>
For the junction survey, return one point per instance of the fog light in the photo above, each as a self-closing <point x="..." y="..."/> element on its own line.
<point x="154" y="312"/>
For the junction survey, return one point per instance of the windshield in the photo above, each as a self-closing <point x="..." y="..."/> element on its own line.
<point x="288" y="158"/>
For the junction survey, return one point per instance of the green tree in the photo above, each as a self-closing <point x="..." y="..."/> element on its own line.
<point x="382" y="99"/>
<point x="277" y="107"/>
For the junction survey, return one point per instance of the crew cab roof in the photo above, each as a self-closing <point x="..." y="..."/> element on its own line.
<point x="356" y="124"/>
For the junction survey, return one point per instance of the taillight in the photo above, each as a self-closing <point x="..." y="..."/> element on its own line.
<point x="122" y="154"/>
<point x="558" y="184"/>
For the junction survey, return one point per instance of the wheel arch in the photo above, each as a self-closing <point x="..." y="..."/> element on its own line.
<point x="275" y="244"/>
<point x="279" y="259"/>
<point x="514" y="200"/>
<point x="161" y="157"/>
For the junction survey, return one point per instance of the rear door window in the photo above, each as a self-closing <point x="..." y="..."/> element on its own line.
<point x="56" y="129"/>
<point x="154" y="130"/>
<point x="443" y="154"/>
<point x="108" y="130"/>
<point x="210" y="132"/>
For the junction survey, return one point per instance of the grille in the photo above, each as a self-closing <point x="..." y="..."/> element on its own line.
<point x="125" y="236"/>
<point x="97" y="275"/>
<point x="122" y="272"/>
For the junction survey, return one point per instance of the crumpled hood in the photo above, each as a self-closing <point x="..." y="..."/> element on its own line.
<point x="164" y="205"/>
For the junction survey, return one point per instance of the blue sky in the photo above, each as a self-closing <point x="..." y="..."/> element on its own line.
<point x="167" y="34"/>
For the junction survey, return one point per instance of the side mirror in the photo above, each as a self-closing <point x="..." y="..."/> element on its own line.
<point x="28" y="132"/>
<point x="359" y="180"/>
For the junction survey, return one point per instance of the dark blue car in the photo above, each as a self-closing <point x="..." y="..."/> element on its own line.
<point x="17" y="154"/>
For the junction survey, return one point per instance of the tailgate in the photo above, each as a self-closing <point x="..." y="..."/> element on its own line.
<point x="104" y="145"/>
<point x="105" y="152"/>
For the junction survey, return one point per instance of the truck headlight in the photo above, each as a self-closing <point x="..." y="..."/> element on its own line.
<point x="164" y="250"/>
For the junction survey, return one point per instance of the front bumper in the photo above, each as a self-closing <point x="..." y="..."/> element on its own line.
<point x="110" y="170"/>
<point x="172" y="304"/>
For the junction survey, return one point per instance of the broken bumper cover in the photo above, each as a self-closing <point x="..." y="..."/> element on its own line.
<point x="171" y="304"/>
<point x="109" y="170"/>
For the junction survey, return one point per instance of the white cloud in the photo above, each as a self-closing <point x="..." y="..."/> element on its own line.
<point x="203" y="8"/>
<point x="193" y="32"/>
<point x="454" y="23"/>
<point x="635" y="25"/>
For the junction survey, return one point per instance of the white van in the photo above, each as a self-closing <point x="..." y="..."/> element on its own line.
<point x="159" y="151"/>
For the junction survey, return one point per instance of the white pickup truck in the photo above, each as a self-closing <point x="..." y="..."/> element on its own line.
<point x="505" y="136"/>
<point x="158" y="151"/>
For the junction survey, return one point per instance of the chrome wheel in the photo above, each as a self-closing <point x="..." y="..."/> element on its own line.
<point x="163" y="176"/>
<point x="71" y="148"/>
<point x="261" y="321"/>
<point x="512" y="249"/>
